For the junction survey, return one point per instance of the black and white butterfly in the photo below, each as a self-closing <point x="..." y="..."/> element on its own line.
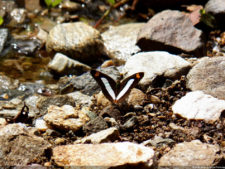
<point x="114" y="91"/>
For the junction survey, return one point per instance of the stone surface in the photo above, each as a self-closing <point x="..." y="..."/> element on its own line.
<point x="59" y="100"/>
<point x="104" y="136"/>
<point x="104" y="155"/>
<point x="199" y="106"/>
<point x="192" y="153"/>
<point x="7" y="83"/>
<point x="79" y="40"/>
<point x="171" y="31"/>
<point x="95" y="125"/>
<point x="209" y="76"/>
<point x="80" y="98"/>
<point x="19" y="147"/>
<point x="32" y="5"/>
<point x="27" y="47"/>
<point x="120" y="41"/>
<point x="86" y="83"/>
<point x="3" y="38"/>
<point x="155" y="64"/>
<point x="158" y="141"/>
<point x="62" y="65"/>
<point x="18" y="16"/>
<point x="136" y="98"/>
<point x="65" y="118"/>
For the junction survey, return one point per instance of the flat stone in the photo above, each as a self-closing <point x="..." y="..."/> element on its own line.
<point x="171" y="31"/>
<point x="80" y="98"/>
<point x="19" y="147"/>
<point x="155" y="64"/>
<point x="136" y="98"/>
<point x="18" y="16"/>
<point x="78" y="40"/>
<point x="107" y="135"/>
<point x="65" y="118"/>
<point x="208" y="76"/>
<point x="192" y="153"/>
<point x="120" y="41"/>
<point x="104" y="155"/>
<point x="3" y="37"/>
<point x="32" y="5"/>
<point x="62" y="65"/>
<point x="199" y="106"/>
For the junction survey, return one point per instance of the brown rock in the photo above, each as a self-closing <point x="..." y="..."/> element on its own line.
<point x="19" y="147"/>
<point x="136" y="98"/>
<point x="106" y="155"/>
<point x="65" y="117"/>
<point x="171" y="31"/>
<point x="192" y="153"/>
<point x="208" y="76"/>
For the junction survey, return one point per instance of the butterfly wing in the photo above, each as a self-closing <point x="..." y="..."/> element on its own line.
<point x="107" y="84"/>
<point x="127" y="84"/>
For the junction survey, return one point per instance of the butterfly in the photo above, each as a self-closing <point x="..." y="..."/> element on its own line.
<point x="116" y="91"/>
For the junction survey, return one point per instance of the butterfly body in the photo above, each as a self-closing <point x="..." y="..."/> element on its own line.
<point x="116" y="91"/>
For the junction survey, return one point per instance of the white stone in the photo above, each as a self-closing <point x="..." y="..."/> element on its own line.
<point x="199" y="106"/>
<point x="155" y="64"/>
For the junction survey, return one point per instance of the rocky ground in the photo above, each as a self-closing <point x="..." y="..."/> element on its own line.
<point x="54" y="114"/>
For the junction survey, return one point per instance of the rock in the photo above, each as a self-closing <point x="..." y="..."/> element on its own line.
<point x="58" y="100"/>
<point x="18" y="16"/>
<point x="216" y="8"/>
<point x="42" y="35"/>
<point x="86" y="83"/>
<point x="130" y="123"/>
<point x="199" y="106"/>
<point x="3" y="122"/>
<point x="155" y="64"/>
<point x="80" y="98"/>
<point x="31" y="102"/>
<point x="158" y="142"/>
<point x="107" y="135"/>
<point x="78" y="40"/>
<point x="65" y="118"/>
<point x="7" y="83"/>
<point x="62" y="65"/>
<point x="105" y="155"/>
<point x="111" y="111"/>
<point x="101" y="100"/>
<point x="171" y="31"/>
<point x="19" y="147"/>
<point x="40" y="124"/>
<point x="192" y="153"/>
<point x="3" y="38"/>
<point x="120" y="41"/>
<point x="27" y="47"/>
<point x="208" y="75"/>
<point x="136" y="98"/>
<point x="95" y="125"/>
<point x="32" y="5"/>
<point x="70" y="6"/>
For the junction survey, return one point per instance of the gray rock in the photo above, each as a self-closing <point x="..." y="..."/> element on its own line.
<point x="78" y="40"/>
<point x="192" y="153"/>
<point x="65" y="118"/>
<point x="80" y="98"/>
<point x="95" y="125"/>
<point x="120" y="41"/>
<point x="31" y="102"/>
<point x="105" y="155"/>
<point x="27" y="47"/>
<point x="107" y="135"/>
<point x="171" y="31"/>
<point x="86" y="83"/>
<point x="59" y="100"/>
<point x="7" y="83"/>
<point x="158" y="142"/>
<point x="62" y="65"/>
<point x="19" y="147"/>
<point x="3" y="37"/>
<point x="130" y="123"/>
<point x="199" y="106"/>
<point x="208" y="76"/>
<point x="155" y="64"/>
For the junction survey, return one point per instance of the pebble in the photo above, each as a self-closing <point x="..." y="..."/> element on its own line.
<point x="199" y="106"/>
<point x="3" y="38"/>
<point x="194" y="153"/>
<point x="79" y="40"/>
<point x="208" y="76"/>
<point x="65" y="118"/>
<point x="171" y="31"/>
<point x="155" y="64"/>
<point x="61" y="65"/>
